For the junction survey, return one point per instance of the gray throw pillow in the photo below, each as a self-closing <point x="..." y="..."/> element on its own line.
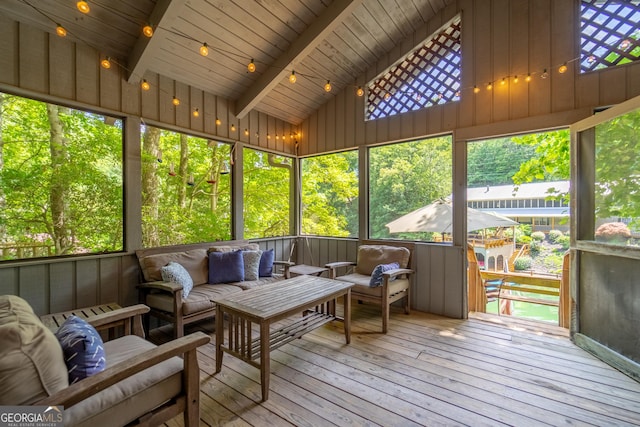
<point x="251" y="264"/>
<point x="176" y="273"/>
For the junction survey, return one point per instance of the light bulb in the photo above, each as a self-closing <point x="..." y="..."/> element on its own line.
<point x="277" y="137"/>
<point x="563" y="68"/>
<point x="60" y="30"/>
<point x="515" y="79"/>
<point x="544" y="74"/>
<point x="251" y="67"/>
<point x="106" y="63"/>
<point x="204" y="49"/>
<point x="246" y="132"/>
<point x="591" y="59"/>
<point x="147" y="30"/>
<point x="476" y="89"/>
<point x="196" y="113"/>
<point x="292" y="77"/>
<point x="268" y="136"/>
<point x="503" y="81"/>
<point x="233" y="128"/>
<point x="175" y="101"/>
<point x="625" y="44"/>
<point x="360" y="91"/>
<point x="83" y="6"/>
<point x="489" y="86"/>
<point x="218" y="122"/>
<point x="327" y="86"/>
<point x="528" y="78"/>
<point x="145" y="85"/>
<point x="387" y="96"/>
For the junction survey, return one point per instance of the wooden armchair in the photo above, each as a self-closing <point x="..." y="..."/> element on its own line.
<point x="395" y="282"/>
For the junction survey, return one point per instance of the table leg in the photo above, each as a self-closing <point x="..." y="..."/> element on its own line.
<point x="347" y="316"/>
<point x="265" y="368"/>
<point x="219" y="337"/>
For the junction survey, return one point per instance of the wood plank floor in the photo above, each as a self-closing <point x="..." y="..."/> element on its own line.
<point x="428" y="370"/>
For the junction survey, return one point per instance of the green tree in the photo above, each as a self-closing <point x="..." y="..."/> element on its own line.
<point x="495" y="161"/>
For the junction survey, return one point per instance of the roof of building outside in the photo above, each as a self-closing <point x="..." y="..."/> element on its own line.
<point x="534" y="190"/>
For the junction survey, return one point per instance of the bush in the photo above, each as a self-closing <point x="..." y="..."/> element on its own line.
<point x="554" y="235"/>
<point x="538" y="236"/>
<point x="523" y="263"/>
<point x="535" y="246"/>
<point x="523" y="239"/>
<point x="564" y="241"/>
<point x="613" y="232"/>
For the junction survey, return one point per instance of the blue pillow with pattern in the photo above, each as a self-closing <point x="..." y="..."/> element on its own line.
<point x="176" y="273"/>
<point x="376" y="275"/>
<point x="82" y="347"/>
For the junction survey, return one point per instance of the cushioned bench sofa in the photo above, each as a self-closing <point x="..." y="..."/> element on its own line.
<point x="214" y="270"/>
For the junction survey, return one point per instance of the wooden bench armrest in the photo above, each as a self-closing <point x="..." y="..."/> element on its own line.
<point x="161" y="285"/>
<point x="130" y="317"/>
<point x="89" y="386"/>
<point x="286" y="265"/>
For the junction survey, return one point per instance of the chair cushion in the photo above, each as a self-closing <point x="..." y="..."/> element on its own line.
<point x="82" y="347"/>
<point x="176" y="273"/>
<point x="225" y="267"/>
<point x="266" y="263"/>
<point x="195" y="261"/>
<point x="31" y="362"/>
<point x="125" y="401"/>
<point x="251" y="261"/>
<point x="362" y="287"/>
<point x="369" y="256"/>
<point x="376" y="275"/>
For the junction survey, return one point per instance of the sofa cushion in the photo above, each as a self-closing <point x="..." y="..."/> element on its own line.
<point x="376" y="274"/>
<point x="123" y="402"/>
<point x="176" y="273"/>
<point x="249" y="284"/>
<point x="236" y="247"/>
<point x="225" y="267"/>
<point x="369" y="256"/>
<point x="266" y="263"/>
<point x="195" y="261"/>
<point x="31" y="362"/>
<point x="251" y="261"/>
<point x="82" y="347"/>
<point x="198" y="301"/>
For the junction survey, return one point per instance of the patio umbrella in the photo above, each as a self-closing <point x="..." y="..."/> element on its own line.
<point x="438" y="217"/>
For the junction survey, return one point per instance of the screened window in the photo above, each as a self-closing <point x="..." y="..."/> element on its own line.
<point x="429" y="76"/>
<point x="61" y="184"/>
<point x="330" y="195"/>
<point x="609" y="33"/>
<point x="186" y="195"/>
<point x="267" y="194"/>
<point x="404" y="177"/>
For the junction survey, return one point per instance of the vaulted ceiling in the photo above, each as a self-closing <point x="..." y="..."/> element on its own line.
<point x="321" y="40"/>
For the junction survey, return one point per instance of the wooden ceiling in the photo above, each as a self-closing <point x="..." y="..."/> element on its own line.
<point x="335" y="40"/>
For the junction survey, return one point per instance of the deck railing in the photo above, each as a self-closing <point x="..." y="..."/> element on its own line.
<point x="26" y="250"/>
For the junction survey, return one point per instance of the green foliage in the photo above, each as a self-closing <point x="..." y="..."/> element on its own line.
<point x="523" y="239"/>
<point x="538" y="236"/>
<point x="65" y="192"/>
<point x="565" y="241"/>
<point x="523" y="263"/>
<point x="496" y="161"/>
<point x="404" y="177"/>
<point x="554" y="235"/>
<point x="535" y="246"/>
<point x="330" y="195"/>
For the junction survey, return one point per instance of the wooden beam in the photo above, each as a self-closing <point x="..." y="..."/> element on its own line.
<point x="165" y="12"/>
<point x="333" y="16"/>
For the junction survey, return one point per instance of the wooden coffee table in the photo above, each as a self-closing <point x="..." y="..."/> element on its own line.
<point x="314" y="297"/>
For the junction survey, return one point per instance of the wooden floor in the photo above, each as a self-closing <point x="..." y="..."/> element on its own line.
<point x="428" y="370"/>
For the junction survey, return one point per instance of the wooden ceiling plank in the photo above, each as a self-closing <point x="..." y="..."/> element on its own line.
<point x="333" y="16"/>
<point x="165" y="12"/>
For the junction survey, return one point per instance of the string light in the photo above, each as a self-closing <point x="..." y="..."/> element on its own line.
<point x="252" y="66"/>
<point x="528" y="78"/>
<point x="292" y="77"/>
<point x="544" y="74"/>
<point x="360" y="91"/>
<point x="233" y="128"/>
<point x="147" y="30"/>
<point x="106" y="63"/>
<point x="387" y="96"/>
<point x="204" y="49"/>
<point x="489" y="86"/>
<point x="327" y="86"/>
<point x="476" y="89"/>
<point x="515" y="79"/>
<point x="83" y="6"/>
<point x="503" y="81"/>
<point x="563" y="68"/>
<point x="218" y="122"/>
<point x="175" y="101"/>
<point x="145" y="85"/>
<point x="196" y="113"/>
<point x="268" y="136"/>
<point x="277" y="137"/>
<point x="246" y="132"/>
<point x="60" y="30"/>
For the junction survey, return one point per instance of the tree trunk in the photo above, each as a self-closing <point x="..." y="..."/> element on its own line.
<point x="59" y="187"/>
<point x="216" y="166"/>
<point x="3" y="202"/>
<point x="150" y="186"/>
<point x="183" y="171"/>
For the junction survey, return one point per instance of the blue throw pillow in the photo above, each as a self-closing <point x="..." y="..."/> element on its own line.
<point x="226" y="267"/>
<point x="82" y="348"/>
<point x="176" y="273"/>
<point x="376" y="275"/>
<point x="266" y="263"/>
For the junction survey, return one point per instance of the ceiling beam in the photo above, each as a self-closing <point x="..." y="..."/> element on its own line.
<point x="333" y="16"/>
<point x="162" y="16"/>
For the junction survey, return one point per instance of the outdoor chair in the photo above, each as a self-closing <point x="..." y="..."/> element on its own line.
<point x="380" y="276"/>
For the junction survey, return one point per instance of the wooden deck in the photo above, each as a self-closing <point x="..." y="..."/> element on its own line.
<point x="428" y="370"/>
